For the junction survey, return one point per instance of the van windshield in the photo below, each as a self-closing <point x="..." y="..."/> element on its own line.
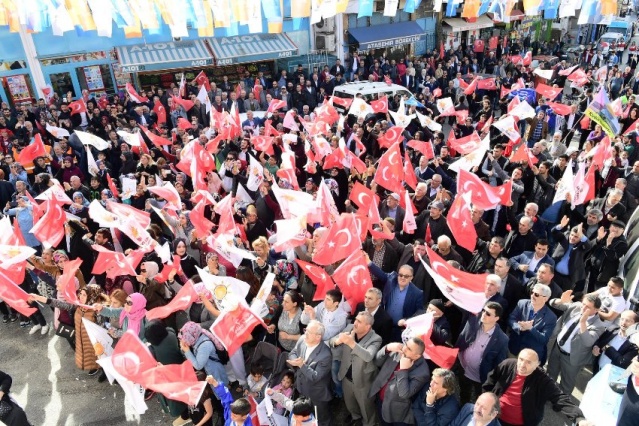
<point x="617" y="30"/>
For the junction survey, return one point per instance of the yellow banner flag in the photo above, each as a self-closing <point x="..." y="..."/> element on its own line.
<point x="240" y="11"/>
<point x="471" y="9"/>
<point x="145" y="10"/>
<point x="81" y="14"/>
<point x="608" y="7"/>
<point x="300" y="8"/>
<point x="134" y="30"/>
<point x="221" y="13"/>
<point x="163" y="7"/>
<point x="341" y="6"/>
<point x="207" y="31"/>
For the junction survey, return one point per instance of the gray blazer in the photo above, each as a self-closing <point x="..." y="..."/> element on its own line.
<point x="360" y="358"/>
<point x="582" y="343"/>
<point x="405" y="384"/>
<point x="313" y="378"/>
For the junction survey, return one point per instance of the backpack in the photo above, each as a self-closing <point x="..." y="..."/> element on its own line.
<point x="222" y="354"/>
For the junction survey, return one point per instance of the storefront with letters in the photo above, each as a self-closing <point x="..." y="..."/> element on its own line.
<point x="395" y="40"/>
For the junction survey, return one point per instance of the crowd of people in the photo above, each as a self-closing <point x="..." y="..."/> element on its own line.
<point x="555" y="304"/>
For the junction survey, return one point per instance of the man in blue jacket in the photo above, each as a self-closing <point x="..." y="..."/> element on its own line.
<point x="482" y="346"/>
<point x="401" y="298"/>
<point x="484" y="412"/>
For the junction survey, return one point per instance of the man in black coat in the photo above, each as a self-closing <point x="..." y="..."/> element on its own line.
<point x="383" y="324"/>
<point x="629" y="408"/>
<point x="613" y="346"/>
<point x="608" y="248"/>
<point x="537" y="386"/>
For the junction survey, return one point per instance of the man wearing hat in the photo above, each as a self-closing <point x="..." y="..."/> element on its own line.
<point x="608" y="248"/>
<point x="434" y="220"/>
<point x="393" y="210"/>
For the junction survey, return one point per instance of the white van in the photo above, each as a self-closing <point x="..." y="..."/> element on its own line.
<point x="370" y="90"/>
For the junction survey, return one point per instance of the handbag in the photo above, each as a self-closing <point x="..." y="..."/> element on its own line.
<point x="65" y="330"/>
<point x="5" y="409"/>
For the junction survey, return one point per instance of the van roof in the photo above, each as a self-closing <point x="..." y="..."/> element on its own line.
<point x="365" y="87"/>
<point x="619" y="24"/>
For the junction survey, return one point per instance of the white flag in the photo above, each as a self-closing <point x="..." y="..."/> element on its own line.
<point x="565" y="185"/>
<point x="92" y="165"/>
<point x="255" y="174"/>
<point x="99" y="335"/>
<point x="473" y="159"/>
<point x="134" y="393"/>
<point x="93" y="140"/>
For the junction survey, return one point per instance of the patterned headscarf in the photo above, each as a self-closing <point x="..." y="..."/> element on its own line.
<point x="136" y="313"/>
<point x="191" y="331"/>
<point x="60" y="254"/>
<point x="94" y="293"/>
<point x="200" y="288"/>
<point x="332" y="185"/>
<point x="152" y="269"/>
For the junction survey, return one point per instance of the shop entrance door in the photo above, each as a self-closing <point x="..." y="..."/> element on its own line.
<point x="62" y="83"/>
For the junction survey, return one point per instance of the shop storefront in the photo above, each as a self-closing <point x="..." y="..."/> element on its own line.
<point x="96" y="72"/>
<point x="460" y="31"/>
<point x="395" y="40"/>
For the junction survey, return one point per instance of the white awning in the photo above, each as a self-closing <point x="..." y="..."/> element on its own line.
<point x="458" y="24"/>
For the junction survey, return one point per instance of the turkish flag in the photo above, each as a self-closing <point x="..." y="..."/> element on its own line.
<point x="15" y="297"/>
<point x="387" y="80"/>
<point x="513" y="103"/>
<point x="232" y="328"/>
<point x="560" y="109"/>
<point x="49" y="230"/>
<point x="185" y="103"/>
<point x="202" y="79"/>
<point x="504" y="92"/>
<point x="505" y="192"/>
<point x="112" y="187"/>
<point x="522" y="153"/>
<point x="527" y="58"/>
<point x="334" y="159"/>
<point x="158" y="141"/>
<point x="548" y="91"/>
<point x="33" y="151"/>
<point x="319" y="277"/>
<point x="275" y="105"/>
<point x="380" y="105"/>
<point x="461" y="223"/>
<point x="409" y="172"/>
<point x="426" y="148"/>
<point x="361" y="195"/>
<point x="442" y="356"/>
<point x="263" y="144"/>
<point x="483" y="195"/>
<point x="600" y="153"/>
<point x="132" y="359"/>
<point x="634" y="127"/>
<point x="437" y="92"/>
<point x="463" y="289"/>
<point x="467" y="144"/>
<point x="169" y="193"/>
<point x="66" y="281"/>
<point x="134" y="95"/>
<point x="160" y="111"/>
<point x="461" y="115"/>
<point x="487" y="84"/>
<point x="343" y="102"/>
<point x="340" y="241"/>
<point x="78" y="106"/>
<point x="390" y="171"/>
<point x="183" y="124"/>
<point x="112" y="262"/>
<point x="181" y="302"/>
<point x="353" y="278"/>
<point x="391" y="136"/>
<point x="463" y="85"/>
<point x="176" y="382"/>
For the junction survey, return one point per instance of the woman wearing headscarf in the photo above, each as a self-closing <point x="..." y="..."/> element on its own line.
<point x="200" y="347"/>
<point x="16" y="415"/>
<point x="68" y="170"/>
<point x="285" y="276"/>
<point x="85" y="358"/>
<point x="213" y="265"/>
<point x="130" y="317"/>
<point x="106" y="195"/>
<point x="24" y="215"/>
<point x="55" y="268"/>
<point x="164" y="347"/>
<point x="152" y="290"/>
<point x="129" y="165"/>
<point x="187" y="262"/>
<point x="80" y="207"/>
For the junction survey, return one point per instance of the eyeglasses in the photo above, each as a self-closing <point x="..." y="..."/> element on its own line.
<point x="129" y="303"/>
<point x="537" y="294"/>
<point x="404" y="276"/>
<point x="488" y="314"/>
<point x="142" y="271"/>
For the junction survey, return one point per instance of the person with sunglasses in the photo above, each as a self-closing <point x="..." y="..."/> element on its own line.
<point x="132" y="316"/>
<point x="482" y="346"/>
<point x="532" y="323"/>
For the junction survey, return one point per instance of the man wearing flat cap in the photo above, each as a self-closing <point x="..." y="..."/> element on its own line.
<point x="608" y="248"/>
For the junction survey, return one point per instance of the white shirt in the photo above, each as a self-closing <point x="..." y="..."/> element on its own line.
<point x="616" y="343"/>
<point x="533" y="263"/>
<point x="309" y="351"/>
<point x="567" y="345"/>
<point x="611" y="303"/>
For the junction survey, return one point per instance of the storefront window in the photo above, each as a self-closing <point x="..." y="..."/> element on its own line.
<point x="96" y="79"/>
<point x="18" y="89"/>
<point x="61" y="83"/>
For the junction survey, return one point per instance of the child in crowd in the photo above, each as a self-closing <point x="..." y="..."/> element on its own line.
<point x="256" y="382"/>
<point x="285" y="388"/>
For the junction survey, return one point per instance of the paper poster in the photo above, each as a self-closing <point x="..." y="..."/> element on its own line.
<point x="128" y="187"/>
<point x="600" y="403"/>
<point x="18" y="88"/>
<point x="99" y="336"/>
<point x="93" y="76"/>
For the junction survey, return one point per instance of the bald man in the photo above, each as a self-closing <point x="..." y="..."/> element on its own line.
<point x="513" y="378"/>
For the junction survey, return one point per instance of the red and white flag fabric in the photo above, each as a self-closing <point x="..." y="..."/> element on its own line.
<point x="483" y="195"/>
<point x="521" y="110"/>
<point x="410" y="178"/>
<point x="409" y="225"/>
<point x="132" y="359"/>
<point x="341" y="240"/>
<point x="634" y="127"/>
<point x="508" y="126"/>
<point x="521" y="154"/>
<point x="445" y="106"/>
<point x="380" y="105"/>
<point x="49" y="230"/>
<point x="584" y="185"/>
<point x="112" y="262"/>
<point x="15" y="297"/>
<point x="176" y="382"/>
<point x="568" y="71"/>
<point x="472" y="87"/>
<point x="130" y="90"/>
<point x="233" y="327"/>
<point x="33" y="151"/>
<point x="157" y="140"/>
<point x="463" y="289"/>
<point x="169" y="193"/>
<point x="527" y="58"/>
<point x="467" y="144"/>
<point x="319" y="277"/>
<point x="487" y="84"/>
<point x="353" y="278"/>
<point x="160" y="111"/>
<point x="426" y="148"/>
<point x="181" y="302"/>
<point x="559" y="108"/>
<point x="548" y="91"/>
<point x="67" y="281"/>
<point x="202" y="79"/>
<point x="343" y="102"/>
<point x="390" y="171"/>
<point x="391" y="136"/>
<point x="460" y="222"/>
<point x="184" y="103"/>
<point x="289" y="122"/>
<point x="275" y="105"/>
<point x="78" y="107"/>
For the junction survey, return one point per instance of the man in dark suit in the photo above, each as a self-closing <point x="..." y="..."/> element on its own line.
<point x="483" y="412"/>
<point x="392" y="209"/>
<point x="357" y="372"/>
<point x="523" y="261"/>
<point x="312" y="360"/>
<point x="532" y="323"/>
<point x="574" y="336"/>
<point x="608" y="248"/>
<point x="401" y="299"/>
<point x="511" y="288"/>
<point x="239" y="103"/>
<point x="251" y="123"/>
<point x="614" y="347"/>
<point x="403" y="372"/>
<point x="482" y="346"/>
<point x="408" y="81"/>
<point x="629" y="408"/>
<point x="382" y="324"/>
<point x="570" y="124"/>
<point x="569" y="255"/>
